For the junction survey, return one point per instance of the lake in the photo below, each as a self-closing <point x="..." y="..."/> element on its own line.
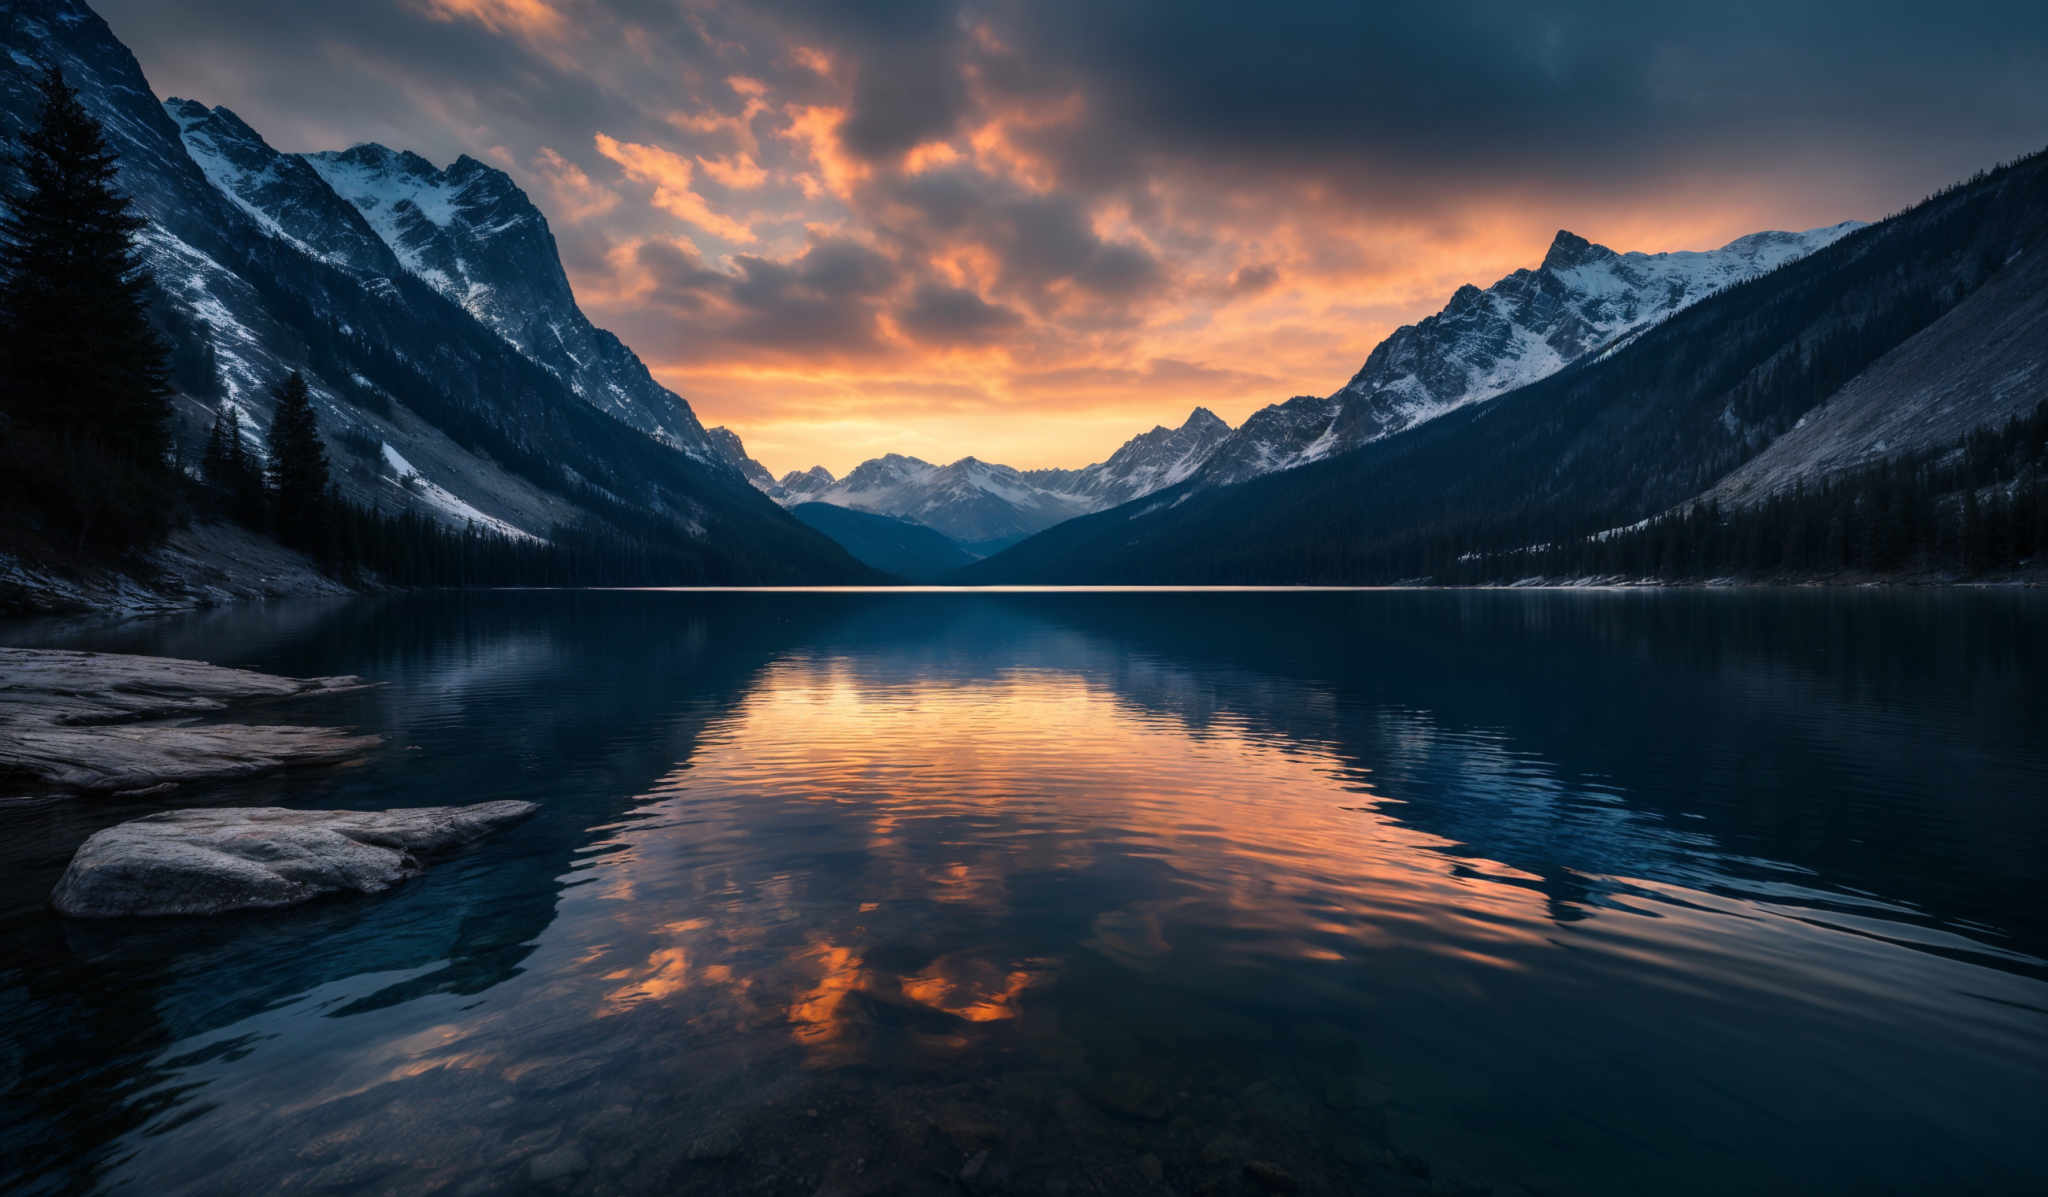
<point x="837" y="893"/>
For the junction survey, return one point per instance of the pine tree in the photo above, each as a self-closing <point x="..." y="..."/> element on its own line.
<point x="82" y="376"/>
<point x="298" y="464"/>
<point x="217" y="466"/>
<point x="76" y="349"/>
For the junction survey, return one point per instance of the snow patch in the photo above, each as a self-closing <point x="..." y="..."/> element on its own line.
<point x="448" y="504"/>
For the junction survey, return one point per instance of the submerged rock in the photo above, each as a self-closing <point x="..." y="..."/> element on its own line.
<point x="211" y="860"/>
<point x="117" y="723"/>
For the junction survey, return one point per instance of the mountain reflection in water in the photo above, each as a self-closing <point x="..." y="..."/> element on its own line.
<point x="1091" y="892"/>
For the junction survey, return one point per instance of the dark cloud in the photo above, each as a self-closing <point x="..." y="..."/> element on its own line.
<point x="943" y="315"/>
<point x="1042" y="241"/>
<point x="1492" y="88"/>
<point x="827" y="301"/>
<point x="1390" y="103"/>
<point x="1251" y="280"/>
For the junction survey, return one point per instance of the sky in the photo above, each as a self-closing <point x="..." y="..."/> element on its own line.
<point x="1027" y="230"/>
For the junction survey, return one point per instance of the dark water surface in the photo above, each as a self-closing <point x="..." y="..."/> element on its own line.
<point x="1095" y="893"/>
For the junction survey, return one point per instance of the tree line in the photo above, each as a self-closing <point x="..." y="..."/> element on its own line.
<point x="1974" y="507"/>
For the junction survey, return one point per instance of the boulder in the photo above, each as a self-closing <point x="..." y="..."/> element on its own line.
<point x="116" y="723"/>
<point x="209" y="860"/>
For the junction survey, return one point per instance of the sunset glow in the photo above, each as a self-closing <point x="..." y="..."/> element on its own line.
<point x="1006" y="231"/>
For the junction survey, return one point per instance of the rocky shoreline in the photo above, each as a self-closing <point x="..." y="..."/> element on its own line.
<point x="202" y="565"/>
<point x="114" y="725"/>
<point x="117" y="724"/>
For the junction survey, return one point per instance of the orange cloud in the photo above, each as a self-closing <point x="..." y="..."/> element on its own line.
<point x="739" y="171"/>
<point x="816" y="129"/>
<point x="670" y="173"/>
<point x="576" y="197"/>
<point x="529" y="18"/>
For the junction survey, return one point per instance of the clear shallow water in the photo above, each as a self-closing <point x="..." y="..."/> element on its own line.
<point x="843" y="893"/>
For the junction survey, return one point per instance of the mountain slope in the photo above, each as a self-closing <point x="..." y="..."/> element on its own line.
<point x="472" y="234"/>
<point x="726" y="444"/>
<point x="1601" y="446"/>
<point x="268" y="273"/>
<point x="909" y="551"/>
<point x="1582" y="299"/>
<point x="1982" y="363"/>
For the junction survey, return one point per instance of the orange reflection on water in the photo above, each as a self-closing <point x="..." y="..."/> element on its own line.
<point x="943" y="793"/>
<point x="974" y="990"/>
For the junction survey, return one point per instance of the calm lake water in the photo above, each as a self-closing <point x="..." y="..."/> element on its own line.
<point x="1095" y="893"/>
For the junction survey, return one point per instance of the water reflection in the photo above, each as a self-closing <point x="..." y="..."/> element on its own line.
<point x="847" y="893"/>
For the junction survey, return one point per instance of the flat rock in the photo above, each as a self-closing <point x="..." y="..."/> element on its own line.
<point x="115" y="723"/>
<point x="210" y="860"/>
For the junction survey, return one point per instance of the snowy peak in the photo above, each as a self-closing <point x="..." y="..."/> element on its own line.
<point x="800" y="486"/>
<point x="471" y="234"/>
<point x="1568" y="249"/>
<point x="1147" y="462"/>
<point x="969" y="500"/>
<point x="1583" y="299"/>
<point x="281" y="192"/>
<point x="457" y="229"/>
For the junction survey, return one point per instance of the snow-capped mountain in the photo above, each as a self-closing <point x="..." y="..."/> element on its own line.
<point x="261" y="262"/>
<point x="282" y="193"/>
<point x="802" y="486"/>
<point x="976" y="502"/>
<point x="468" y="232"/>
<point x="1147" y="462"/>
<point x="1582" y="300"/>
<point x="970" y="500"/>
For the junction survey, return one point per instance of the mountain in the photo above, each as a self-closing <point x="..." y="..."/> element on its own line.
<point x="468" y="232"/>
<point x="969" y="500"/>
<point x="1628" y="435"/>
<point x="1580" y="301"/>
<point x="470" y="390"/>
<point x="909" y="551"/>
<point x="1147" y="462"/>
<point x="1583" y="299"/>
<point x="980" y="504"/>
<point x="726" y="444"/>
<point x="282" y="193"/>
<point x="1979" y="365"/>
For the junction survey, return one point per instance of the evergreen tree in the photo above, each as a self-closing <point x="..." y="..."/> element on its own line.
<point x="76" y="348"/>
<point x="217" y="466"/>
<point x="298" y="464"/>
<point x="82" y="375"/>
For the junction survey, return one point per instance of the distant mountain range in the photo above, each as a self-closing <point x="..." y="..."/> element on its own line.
<point x="980" y="504"/>
<point x="1581" y="301"/>
<point x="451" y="367"/>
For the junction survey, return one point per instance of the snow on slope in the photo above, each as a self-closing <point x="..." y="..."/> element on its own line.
<point x="470" y="233"/>
<point x="438" y="497"/>
<point x="1581" y="301"/>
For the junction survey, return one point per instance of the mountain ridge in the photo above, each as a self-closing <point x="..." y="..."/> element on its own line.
<point x="1582" y="452"/>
